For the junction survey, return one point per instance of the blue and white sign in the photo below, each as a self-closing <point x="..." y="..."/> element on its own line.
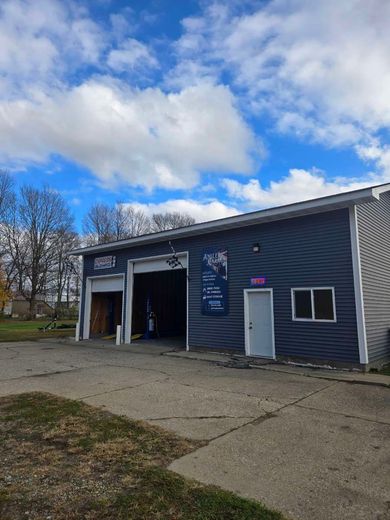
<point x="104" y="262"/>
<point x="215" y="282"/>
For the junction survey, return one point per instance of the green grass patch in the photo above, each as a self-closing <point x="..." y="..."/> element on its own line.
<point x="67" y="460"/>
<point x="27" y="330"/>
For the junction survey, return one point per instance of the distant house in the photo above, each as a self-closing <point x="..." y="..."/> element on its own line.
<point x="19" y="307"/>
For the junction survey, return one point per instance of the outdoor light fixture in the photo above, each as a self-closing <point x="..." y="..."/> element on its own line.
<point x="256" y="248"/>
<point x="174" y="262"/>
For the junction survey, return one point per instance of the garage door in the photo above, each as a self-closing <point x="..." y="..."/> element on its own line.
<point x="157" y="264"/>
<point x="107" y="284"/>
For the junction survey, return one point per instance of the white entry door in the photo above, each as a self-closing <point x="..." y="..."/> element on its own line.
<point x="259" y="323"/>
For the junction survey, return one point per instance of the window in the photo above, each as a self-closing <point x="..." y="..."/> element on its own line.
<point x="313" y="304"/>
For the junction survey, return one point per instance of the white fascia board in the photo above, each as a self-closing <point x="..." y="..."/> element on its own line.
<point x="298" y="209"/>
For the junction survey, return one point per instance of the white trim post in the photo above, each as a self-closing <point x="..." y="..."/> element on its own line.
<point x="87" y="307"/>
<point x="358" y="286"/>
<point x="118" y="335"/>
<point x="129" y="301"/>
<point x="188" y="302"/>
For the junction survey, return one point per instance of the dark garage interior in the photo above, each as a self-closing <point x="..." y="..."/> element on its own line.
<point x="167" y="294"/>
<point x="106" y="313"/>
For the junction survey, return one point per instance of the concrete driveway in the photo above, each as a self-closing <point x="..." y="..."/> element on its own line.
<point x="310" y="447"/>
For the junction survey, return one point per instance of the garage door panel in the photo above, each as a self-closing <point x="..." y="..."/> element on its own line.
<point x="107" y="284"/>
<point x="157" y="264"/>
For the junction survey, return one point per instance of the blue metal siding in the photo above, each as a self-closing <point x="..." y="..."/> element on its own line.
<point x="374" y="241"/>
<point x="300" y="252"/>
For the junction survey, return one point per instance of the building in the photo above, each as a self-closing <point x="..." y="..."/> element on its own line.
<point x="307" y="281"/>
<point x="19" y="307"/>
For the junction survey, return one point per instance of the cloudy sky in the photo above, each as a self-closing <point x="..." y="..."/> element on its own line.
<point x="212" y="108"/>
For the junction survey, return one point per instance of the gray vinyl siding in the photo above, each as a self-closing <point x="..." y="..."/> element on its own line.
<point x="374" y="240"/>
<point x="309" y="251"/>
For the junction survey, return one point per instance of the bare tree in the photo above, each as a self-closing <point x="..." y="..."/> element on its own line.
<point x="15" y="249"/>
<point x="97" y="224"/>
<point x="6" y="193"/>
<point x="64" y="267"/>
<point x="104" y="223"/>
<point x="73" y="282"/>
<point x="137" y="223"/>
<point x="13" y="246"/>
<point x="165" y="221"/>
<point x="40" y="221"/>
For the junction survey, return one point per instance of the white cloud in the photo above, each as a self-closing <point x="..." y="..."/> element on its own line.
<point x="129" y="55"/>
<point x="323" y="71"/>
<point x="42" y="39"/>
<point x="299" y="185"/>
<point x="124" y="136"/>
<point x="45" y="44"/>
<point x="200" y="211"/>
<point x="375" y="152"/>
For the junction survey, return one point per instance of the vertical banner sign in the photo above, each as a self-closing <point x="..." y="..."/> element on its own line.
<point x="215" y="282"/>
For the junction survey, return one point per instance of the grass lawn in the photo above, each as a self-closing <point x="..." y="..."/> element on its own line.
<point x="19" y="330"/>
<point x="62" y="459"/>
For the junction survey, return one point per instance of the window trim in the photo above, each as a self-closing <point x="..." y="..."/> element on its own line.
<point x="313" y="319"/>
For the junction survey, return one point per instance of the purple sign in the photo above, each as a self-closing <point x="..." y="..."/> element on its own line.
<point x="258" y="281"/>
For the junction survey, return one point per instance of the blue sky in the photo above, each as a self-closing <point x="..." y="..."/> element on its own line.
<point x="212" y="108"/>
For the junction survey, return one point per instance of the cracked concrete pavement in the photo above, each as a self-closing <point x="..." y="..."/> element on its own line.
<point x="310" y="447"/>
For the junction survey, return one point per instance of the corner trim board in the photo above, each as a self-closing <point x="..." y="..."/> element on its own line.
<point x="358" y="286"/>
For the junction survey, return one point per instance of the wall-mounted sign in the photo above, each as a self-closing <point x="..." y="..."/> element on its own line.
<point x="215" y="282"/>
<point x="104" y="262"/>
<point x="258" y="281"/>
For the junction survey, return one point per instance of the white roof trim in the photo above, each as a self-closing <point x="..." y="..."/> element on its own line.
<point x="298" y="209"/>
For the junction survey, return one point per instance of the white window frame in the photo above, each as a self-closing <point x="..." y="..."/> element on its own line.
<point x="312" y="289"/>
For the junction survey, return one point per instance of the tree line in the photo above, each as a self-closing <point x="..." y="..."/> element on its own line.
<point x="104" y="223"/>
<point x="37" y="231"/>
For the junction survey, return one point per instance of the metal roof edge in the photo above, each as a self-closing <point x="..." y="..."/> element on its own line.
<point x="296" y="209"/>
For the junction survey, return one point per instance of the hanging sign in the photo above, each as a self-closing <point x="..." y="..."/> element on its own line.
<point x="215" y="282"/>
<point x="104" y="262"/>
<point x="258" y="281"/>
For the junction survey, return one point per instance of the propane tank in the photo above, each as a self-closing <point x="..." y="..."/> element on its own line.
<point x="152" y="322"/>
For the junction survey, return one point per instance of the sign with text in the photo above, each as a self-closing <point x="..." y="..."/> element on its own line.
<point x="104" y="262"/>
<point x="215" y="282"/>
<point x="258" y="281"/>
